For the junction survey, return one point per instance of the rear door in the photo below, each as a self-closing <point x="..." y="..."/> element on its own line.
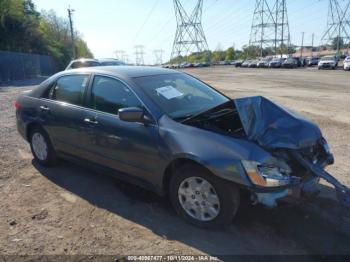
<point x="63" y="113"/>
<point x="124" y="146"/>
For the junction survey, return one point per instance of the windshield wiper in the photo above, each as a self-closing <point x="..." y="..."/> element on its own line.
<point x="192" y="117"/>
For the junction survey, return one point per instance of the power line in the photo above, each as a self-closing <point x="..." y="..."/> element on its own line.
<point x="146" y="20"/>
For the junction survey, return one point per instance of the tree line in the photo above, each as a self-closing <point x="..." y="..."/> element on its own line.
<point x="24" y="29"/>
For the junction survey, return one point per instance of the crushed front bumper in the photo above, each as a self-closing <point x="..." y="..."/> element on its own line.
<point x="307" y="187"/>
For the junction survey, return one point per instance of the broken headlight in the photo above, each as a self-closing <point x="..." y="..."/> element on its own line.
<point x="265" y="175"/>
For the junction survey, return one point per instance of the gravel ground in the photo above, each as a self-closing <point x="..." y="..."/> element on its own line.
<point x="71" y="210"/>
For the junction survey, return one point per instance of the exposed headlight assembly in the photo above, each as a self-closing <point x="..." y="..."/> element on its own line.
<point x="266" y="176"/>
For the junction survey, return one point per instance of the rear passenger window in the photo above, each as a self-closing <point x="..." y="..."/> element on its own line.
<point x="109" y="95"/>
<point x="70" y="89"/>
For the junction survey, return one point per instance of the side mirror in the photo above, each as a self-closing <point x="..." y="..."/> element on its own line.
<point x="131" y="114"/>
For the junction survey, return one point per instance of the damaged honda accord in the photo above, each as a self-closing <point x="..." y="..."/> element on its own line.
<point x="177" y="136"/>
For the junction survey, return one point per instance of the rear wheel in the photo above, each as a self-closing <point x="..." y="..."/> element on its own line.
<point x="203" y="199"/>
<point x="41" y="147"/>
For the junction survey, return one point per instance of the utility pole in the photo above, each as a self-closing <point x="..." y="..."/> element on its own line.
<point x="189" y="36"/>
<point x="70" y="12"/>
<point x="302" y="44"/>
<point x="312" y="44"/>
<point x="119" y="54"/>
<point x="139" y="54"/>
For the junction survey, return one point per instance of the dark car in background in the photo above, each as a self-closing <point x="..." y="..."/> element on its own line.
<point x="239" y="63"/>
<point x="171" y="133"/>
<point x="290" y="63"/>
<point x="83" y="62"/>
<point x="312" y="61"/>
<point x="276" y="62"/>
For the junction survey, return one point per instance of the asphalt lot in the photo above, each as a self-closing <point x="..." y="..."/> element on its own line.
<point x="72" y="210"/>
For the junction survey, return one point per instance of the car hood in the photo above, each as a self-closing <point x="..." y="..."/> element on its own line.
<point x="273" y="126"/>
<point x="327" y="61"/>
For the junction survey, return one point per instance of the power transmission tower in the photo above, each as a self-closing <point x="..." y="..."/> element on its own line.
<point x="70" y="12"/>
<point x="119" y="54"/>
<point x="189" y="36"/>
<point x="270" y="27"/>
<point x="159" y="56"/>
<point x="139" y="54"/>
<point x="338" y="24"/>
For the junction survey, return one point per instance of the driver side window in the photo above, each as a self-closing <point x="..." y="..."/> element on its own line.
<point x="109" y="95"/>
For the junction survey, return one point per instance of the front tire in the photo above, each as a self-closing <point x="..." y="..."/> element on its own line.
<point x="203" y="199"/>
<point x="42" y="148"/>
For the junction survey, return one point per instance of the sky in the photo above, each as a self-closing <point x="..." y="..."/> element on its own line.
<point x="110" y="25"/>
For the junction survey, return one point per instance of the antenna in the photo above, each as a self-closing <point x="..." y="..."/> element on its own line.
<point x="338" y="24"/>
<point x="270" y="27"/>
<point x="139" y="54"/>
<point x="189" y="36"/>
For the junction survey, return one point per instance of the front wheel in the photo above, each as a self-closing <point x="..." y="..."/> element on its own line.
<point x="203" y="199"/>
<point x="42" y="148"/>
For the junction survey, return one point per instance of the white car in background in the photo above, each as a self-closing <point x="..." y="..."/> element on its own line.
<point x="328" y="62"/>
<point x="347" y="63"/>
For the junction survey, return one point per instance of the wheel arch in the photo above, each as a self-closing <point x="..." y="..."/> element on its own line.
<point x="175" y="164"/>
<point x="30" y="127"/>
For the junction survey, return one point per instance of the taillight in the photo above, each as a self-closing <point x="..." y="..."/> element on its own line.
<point x="17" y="105"/>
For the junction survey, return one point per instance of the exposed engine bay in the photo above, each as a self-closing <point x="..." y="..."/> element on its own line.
<point x="223" y="119"/>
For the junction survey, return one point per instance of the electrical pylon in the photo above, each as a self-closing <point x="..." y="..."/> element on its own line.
<point x="270" y="27"/>
<point x="338" y="24"/>
<point x="189" y="36"/>
<point x="159" y="56"/>
<point x="139" y="54"/>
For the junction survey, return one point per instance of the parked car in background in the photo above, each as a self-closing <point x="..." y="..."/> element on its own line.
<point x="239" y="63"/>
<point x="347" y="63"/>
<point x="253" y="64"/>
<point x="328" y="62"/>
<point x="177" y="136"/>
<point x="233" y="62"/>
<point x="224" y="62"/>
<point x="110" y="62"/>
<point x="276" y="63"/>
<point x="246" y="63"/>
<point x="312" y="61"/>
<point x="186" y="65"/>
<point x="264" y="62"/>
<point x="290" y="63"/>
<point x="83" y="62"/>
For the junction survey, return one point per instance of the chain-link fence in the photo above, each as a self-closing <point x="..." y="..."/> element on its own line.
<point x="22" y="66"/>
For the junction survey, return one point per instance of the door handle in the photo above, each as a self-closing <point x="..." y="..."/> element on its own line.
<point x="44" y="108"/>
<point x="90" y="121"/>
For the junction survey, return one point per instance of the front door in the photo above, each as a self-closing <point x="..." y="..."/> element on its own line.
<point x="124" y="146"/>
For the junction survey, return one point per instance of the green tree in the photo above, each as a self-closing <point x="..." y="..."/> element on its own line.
<point x="337" y="42"/>
<point x="230" y="54"/>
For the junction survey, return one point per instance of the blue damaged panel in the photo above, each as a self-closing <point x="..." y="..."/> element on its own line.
<point x="273" y="126"/>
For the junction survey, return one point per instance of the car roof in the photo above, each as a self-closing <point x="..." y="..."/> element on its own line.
<point x="109" y="60"/>
<point x="124" y="71"/>
<point x="84" y="60"/>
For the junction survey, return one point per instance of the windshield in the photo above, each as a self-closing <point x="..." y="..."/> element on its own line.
<point x="276" y="60"/>
<point x="180" y="95"/>
<point x="327" y="58"/>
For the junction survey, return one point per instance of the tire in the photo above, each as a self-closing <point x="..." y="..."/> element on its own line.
<point x="224" y="195"/>
<point x="42" y="148"/>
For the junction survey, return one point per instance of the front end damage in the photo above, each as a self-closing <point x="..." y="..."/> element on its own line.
<point x="300" y="153"/>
